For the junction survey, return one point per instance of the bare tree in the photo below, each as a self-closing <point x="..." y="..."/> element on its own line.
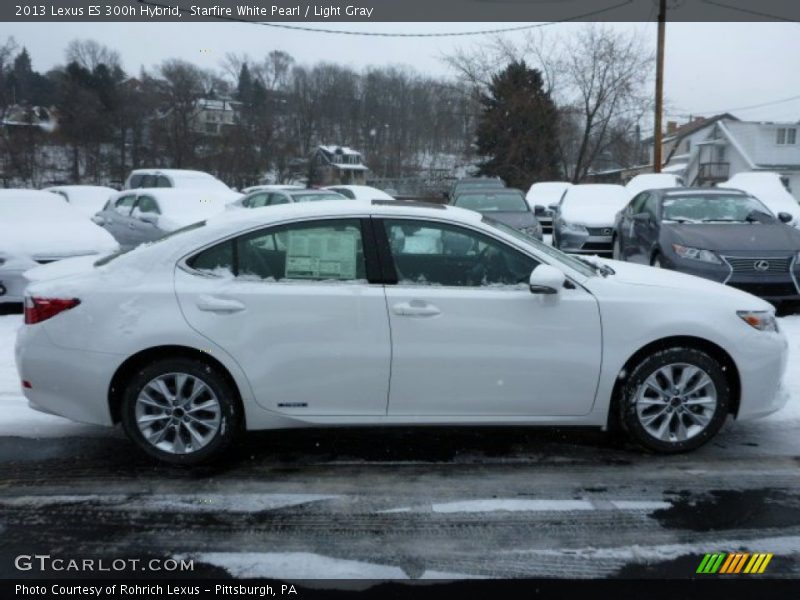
<point x="182" y="85"/>
<point x="89" y="54"/>
<point x="597" y="76"/>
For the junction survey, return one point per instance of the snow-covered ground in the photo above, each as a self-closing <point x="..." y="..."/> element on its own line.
<point x="16" y="419"/>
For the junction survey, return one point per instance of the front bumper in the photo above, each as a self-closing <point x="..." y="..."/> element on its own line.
<point x="771" y="286"/>
<point x="761" y="360"/>
<point x="592" y="242"/>
<point x="12" y="285"/>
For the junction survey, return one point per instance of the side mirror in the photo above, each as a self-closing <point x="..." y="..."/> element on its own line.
<point x="98" y="220"/>
<point x="539" y="210"/>
<point x="785" y="217"/>
<point x="151" y="218"/>
<point x="546" y="280"/>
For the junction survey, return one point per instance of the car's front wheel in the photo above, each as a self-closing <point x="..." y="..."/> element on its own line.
<point x="675" y="400"/>
<point x="180" y="411"/>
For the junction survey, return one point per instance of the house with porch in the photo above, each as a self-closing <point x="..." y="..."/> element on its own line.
<point x="714" y="150"/>
<point x="337" y="165"/>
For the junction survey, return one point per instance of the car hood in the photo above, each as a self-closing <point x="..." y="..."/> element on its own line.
<point x="736" y="237"/>
<point x="630" y="274"/>
<point x="517" y="220"/>
<point x="600" y="215"/>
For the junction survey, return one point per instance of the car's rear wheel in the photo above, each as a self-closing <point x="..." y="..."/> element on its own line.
<point x="180" y="411"/>
<point x="675" y="400"/>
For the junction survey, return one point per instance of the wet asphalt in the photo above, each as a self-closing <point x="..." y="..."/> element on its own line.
<point x="591" y="506"/>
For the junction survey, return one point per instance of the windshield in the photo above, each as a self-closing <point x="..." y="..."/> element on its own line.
<point x="565" y="259"/>
<point x="493" y="202"/>
<point x="714" y="207"/>
<point x="317" y="196"/>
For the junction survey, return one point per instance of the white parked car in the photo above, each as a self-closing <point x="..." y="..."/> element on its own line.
<point x="271" y="187"/>
<point x="653" y="181"/>
<point x="143" y="215"/>
<point x="37" y="228"/>
<point x="585" y="218"/>
<point x="86" y="198"/>
<point x="767" y="187"/>
<point x="179" y="178"/>
<point x="360" y="192"/>
<point x="546" y="194"/>
<point x="277" y="318"/>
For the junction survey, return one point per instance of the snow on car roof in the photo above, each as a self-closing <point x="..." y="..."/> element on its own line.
<point x="597" y="193"/>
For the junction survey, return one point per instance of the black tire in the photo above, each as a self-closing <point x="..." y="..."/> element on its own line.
<point x="616" y="248"/>
<point x="230" y="413"/>
<point x="655" y="261"/>
<point x="629" y="420"/>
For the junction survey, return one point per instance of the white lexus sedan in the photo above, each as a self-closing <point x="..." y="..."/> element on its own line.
<point x="331" y="313"/>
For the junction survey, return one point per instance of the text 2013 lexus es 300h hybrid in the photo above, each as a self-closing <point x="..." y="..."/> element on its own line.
<point x="388" y="313"/>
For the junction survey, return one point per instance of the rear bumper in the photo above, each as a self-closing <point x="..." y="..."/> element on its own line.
<point x="65" y="382"/>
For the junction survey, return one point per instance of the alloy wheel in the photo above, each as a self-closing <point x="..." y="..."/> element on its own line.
<point x="676" y="402"/>
<point x="178" y="413"/>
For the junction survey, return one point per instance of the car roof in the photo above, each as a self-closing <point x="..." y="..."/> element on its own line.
<point x="689" y="191"/>
<point x="173" y="172"/>
<point x="167" y="193"/>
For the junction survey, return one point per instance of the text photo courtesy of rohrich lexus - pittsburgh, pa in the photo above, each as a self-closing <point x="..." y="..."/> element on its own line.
<point x="399" y="299"/>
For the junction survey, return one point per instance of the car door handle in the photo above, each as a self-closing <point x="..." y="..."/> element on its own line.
<point x="416" y="309"/>
<point x="219" y="305"/>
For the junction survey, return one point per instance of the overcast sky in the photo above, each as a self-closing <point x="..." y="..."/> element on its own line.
<point x="709" y="66"/>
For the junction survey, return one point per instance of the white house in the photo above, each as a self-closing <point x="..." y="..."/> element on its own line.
<point x="213" y="115"/>
<point x="724" y="146"/>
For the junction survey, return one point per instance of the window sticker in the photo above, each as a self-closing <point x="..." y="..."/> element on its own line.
<point x="322" y="254"/>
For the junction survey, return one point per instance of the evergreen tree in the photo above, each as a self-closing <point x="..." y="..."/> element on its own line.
<point x="517" y="130"/>
<point x="244" y="88"/>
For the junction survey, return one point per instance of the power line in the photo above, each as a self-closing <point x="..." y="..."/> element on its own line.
<point x="750" y="11"/>
<point x="750" y="107"/>
<point x="402" y="35"/>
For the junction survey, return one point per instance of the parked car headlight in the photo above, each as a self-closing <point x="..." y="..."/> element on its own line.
<point x="696" y="254"/>
<point x="574" y="228"/>
<point x="763" y="320"/>
<point x="532" y="231"/>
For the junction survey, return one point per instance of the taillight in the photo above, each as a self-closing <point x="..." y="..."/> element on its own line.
<point x="40" y="309"/>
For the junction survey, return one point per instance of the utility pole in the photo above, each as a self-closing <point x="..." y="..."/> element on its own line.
<point x="657" y="136"/>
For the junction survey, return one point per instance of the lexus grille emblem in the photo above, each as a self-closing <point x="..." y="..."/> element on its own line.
<point x="606" y="232"/>
<point x="761" y="265"/>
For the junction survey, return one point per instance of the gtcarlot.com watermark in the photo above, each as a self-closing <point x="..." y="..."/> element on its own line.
<point x="45" y="563"/>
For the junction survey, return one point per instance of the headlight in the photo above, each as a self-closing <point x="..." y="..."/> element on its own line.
<point x="696" y="254"/>
<point x="573" y="228"/>
<point x="531" y="231"/>
<point x="763" y="320"/>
